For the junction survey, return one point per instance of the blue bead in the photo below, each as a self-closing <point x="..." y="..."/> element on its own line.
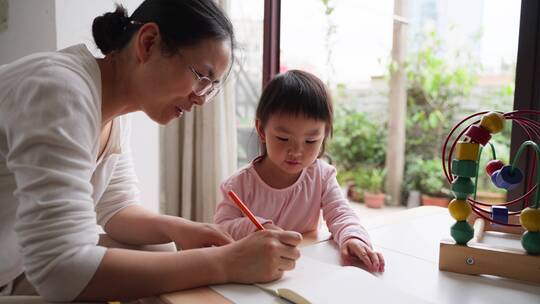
<point x="494" y="178"/>
<point x="500" y="214"/>
<point x="505" y="180"/>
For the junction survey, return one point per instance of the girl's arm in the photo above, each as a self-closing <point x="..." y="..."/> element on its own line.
<point x="231" y="218"/>
<point x="345" y="226"/>
<point x="341" y="220"/>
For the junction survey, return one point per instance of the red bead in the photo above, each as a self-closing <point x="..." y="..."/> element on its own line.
<point x="493" y="166"/>
<point x="478" y="134"/>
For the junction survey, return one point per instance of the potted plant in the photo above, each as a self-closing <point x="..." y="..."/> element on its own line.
<point x="358" y="142"/>
<point x="426" y="176"/>
<point x="371" y="181"/>
<point x="346" y="179"/>
<point x="437" y="82"/>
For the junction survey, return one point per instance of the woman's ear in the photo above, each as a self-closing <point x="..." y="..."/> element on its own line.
<point x="146" y="41"/>
<point x="260" y="130"/>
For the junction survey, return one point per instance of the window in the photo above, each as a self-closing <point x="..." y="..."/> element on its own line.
<point x="461" y="58"/>
<point x="247" y="17"/>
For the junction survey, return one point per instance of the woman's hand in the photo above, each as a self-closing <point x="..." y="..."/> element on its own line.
<point x="373" y="260"/>
<point x="262" y="256"/>
<point x="187" y="234"/>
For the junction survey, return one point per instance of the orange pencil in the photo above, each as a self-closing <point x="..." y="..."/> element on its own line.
<point x="245" y="209"/>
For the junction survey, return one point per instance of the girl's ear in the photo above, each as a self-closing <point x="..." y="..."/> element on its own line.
<point x="260" y="130"/>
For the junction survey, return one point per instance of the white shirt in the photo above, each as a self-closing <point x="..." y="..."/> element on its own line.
<point x="53" y="189"/>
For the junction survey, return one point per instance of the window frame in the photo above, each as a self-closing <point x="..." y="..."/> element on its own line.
<point x="271" y="39"/>
<point x="527" y="85"/>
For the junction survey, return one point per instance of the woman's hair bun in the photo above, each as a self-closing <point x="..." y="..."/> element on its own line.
<point x="109" y="28"/>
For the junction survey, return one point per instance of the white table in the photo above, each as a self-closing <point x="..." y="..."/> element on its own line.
<point x="409" y="241"/>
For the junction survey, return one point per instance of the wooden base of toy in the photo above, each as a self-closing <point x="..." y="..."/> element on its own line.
<point x="514" y="219"/>
<point x="482" y="258"/>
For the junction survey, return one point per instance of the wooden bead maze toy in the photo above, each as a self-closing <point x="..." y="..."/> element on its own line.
<point x="467" y="253"/>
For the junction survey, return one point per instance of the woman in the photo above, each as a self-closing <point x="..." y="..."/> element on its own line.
<point x="65" y="164"/>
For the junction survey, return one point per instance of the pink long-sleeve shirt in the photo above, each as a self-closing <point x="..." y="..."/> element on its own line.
<point x="296" y="207"/>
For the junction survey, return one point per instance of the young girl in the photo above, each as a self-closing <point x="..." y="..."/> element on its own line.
<point x="288" y="185"/>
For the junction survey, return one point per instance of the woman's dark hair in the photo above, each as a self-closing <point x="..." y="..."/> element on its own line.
<point x="297" y="93"/>
<point x="181" y="23"/>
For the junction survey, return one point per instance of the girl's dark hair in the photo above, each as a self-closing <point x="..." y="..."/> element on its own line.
<point x="181" y="23"/>
<point x="297" y="93"/>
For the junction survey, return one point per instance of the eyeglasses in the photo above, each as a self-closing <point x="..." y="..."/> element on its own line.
<point x="204" y="86"/>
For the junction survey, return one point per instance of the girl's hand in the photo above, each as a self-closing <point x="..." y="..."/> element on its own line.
<point x="272" y="227"/>
<point x="260" y="257"/>
<point x="354" y="247"/>
<point x="188" y="234"/>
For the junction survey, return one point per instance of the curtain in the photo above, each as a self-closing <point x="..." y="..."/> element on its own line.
<point x="198" y="153"/>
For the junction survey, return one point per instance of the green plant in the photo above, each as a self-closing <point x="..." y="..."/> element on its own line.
<point x="425" y="176"/>
<point x="344" y="177"/>
<point x="436" y="82"/>
<point x="329" y="37"/>
<point x="370" y="179"/>
<point x="357" y="141"/>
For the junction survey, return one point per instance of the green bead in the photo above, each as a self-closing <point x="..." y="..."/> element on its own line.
<point x="465" y="168"/>
<point x="462" y="232"/>
<point x="531" y="242"/>
<point x="462" y="186"/>
<point x="461" y="196"/>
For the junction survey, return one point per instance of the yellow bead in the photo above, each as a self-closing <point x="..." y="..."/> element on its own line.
<point x="530" y="219"/>
<point x="467" y="150"/>
<point x="459" y="209"/>
<point x="493" y="122"/>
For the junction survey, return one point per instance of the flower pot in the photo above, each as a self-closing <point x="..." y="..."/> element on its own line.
<point x="435" y="201"/>
<point x="354" y="193"/>
<point x="414" y="199"/>
<point x="374" y="200"/>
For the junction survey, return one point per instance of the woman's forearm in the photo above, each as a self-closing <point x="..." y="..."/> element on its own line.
<point x="128" y="274"/>
<point x="135" y="225"/>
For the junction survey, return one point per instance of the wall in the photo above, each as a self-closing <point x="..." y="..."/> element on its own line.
<point x="31" y="28"/>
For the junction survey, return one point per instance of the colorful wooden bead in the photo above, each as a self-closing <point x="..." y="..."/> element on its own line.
<point x="507" y="178"/>
<point x="462" y="187"/>
<point x="493" y="166"/>
<point x="493" y="177"/>
<point x="466" y="168"/>
<point x="531" y="242"/>
<point x="493" y="122"/>
<point x="461" y="232"/>
<point x="500" y="214"/>
<point x="530" y="219"/>
<point x="467" y="150"/>
<point x="459" y="209"/>
<point x="478" y="134"/>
